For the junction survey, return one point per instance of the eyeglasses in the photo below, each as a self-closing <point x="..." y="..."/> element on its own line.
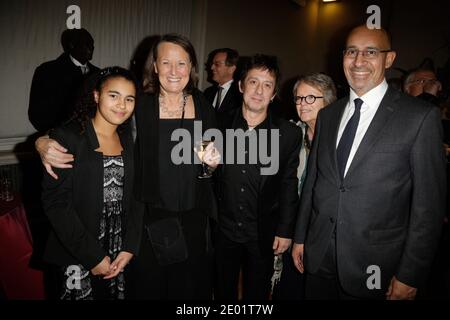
<point x="309" y="99"/>
<point x="366" y="53"/>
<point x="219" y="63"/>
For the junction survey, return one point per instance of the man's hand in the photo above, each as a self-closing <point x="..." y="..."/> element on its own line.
<point x="280" y="245"/>
<point x="119" y="264"/>
<point x="53" y="154"/>
<point x="211" y="156"/>
<point x="399" y="291"/>
<point x="102" y="268"/>
<point x="297" y="255"/>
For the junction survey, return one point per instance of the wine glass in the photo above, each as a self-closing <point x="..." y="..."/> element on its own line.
<point x="200" y="147"/>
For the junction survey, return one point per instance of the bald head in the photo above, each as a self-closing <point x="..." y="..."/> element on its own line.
<point x="381" y="35"/>
<point x="369" y="55"/>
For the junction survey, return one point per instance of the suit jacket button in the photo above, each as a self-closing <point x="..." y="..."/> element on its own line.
<point x="342" y="189"/>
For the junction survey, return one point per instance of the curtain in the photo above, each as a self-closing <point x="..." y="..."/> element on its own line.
<point x="30" y="33"/>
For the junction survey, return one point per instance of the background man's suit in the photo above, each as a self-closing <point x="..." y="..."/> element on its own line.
<point x="388" y="209"/>
<point x="54" y="90"/>
<point x="231" y="101"/>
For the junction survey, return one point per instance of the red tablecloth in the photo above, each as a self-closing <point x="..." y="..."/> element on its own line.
<point x="17" y="279"/>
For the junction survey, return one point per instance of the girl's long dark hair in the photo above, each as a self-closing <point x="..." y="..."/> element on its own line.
<point x="86" y="107"/>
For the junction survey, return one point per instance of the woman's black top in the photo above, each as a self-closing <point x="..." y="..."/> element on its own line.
<point x="176" y="192"/>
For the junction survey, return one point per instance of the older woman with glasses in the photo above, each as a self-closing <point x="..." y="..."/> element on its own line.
<point x="311" y="93"/>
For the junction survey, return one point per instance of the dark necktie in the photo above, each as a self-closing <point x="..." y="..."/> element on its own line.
<point x="346" y="142"/>
<point x="219" y="97"/>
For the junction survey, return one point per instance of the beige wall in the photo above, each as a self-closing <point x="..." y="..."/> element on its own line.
<point x="310" y="38"/>
<point x="30" y="35"/>
<point x="299" y="36"/>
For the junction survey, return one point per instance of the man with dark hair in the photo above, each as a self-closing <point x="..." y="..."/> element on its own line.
<point x="224" y="95"/>
<point x="257" y="208"/>
<point x="373" y="201"/>
<point x="56" y="83"/>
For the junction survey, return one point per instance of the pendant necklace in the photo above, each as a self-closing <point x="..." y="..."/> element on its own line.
<point x="172" y="113"/>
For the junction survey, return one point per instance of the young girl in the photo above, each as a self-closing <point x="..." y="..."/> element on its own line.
<point x="90" y="206"/>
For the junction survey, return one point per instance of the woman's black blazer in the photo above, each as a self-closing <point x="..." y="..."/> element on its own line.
<point x="74" y="202"/>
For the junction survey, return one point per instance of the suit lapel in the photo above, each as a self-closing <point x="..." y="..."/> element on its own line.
<point x="91" y="136"/>
<point x="228" y="97"/>
<point x="379" y="121"/>
<point x="210" y="94"/>
<point x="337" y="113"/>
<point x="225" y="99"/>
<point x="231" y="99"/>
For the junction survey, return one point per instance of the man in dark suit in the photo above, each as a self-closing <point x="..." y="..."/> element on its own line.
<point x="257" y="208"/>
<point x="224" y="95"/>
<point x="56" y="84"/>
<point x="373" y="202"/>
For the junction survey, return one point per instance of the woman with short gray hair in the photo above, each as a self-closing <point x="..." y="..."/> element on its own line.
<point x="311" y="93"/>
